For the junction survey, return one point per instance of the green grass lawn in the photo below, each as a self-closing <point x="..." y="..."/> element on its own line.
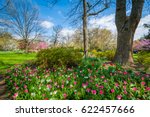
<point x="8" y="59"/>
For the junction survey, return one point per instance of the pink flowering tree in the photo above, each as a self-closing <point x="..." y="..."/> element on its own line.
<point x="143" y="44"/>
<point x="36" y="46"/>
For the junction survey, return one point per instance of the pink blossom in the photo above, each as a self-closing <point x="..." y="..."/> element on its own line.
<point x="105" y="80"/>
<point x="93" y="92"/>
<point x="25" y="86"/>
<point x="55" y="83"/>
<point x="125" y="73"/>
<point x="62" y="86"/>
<point x="148" y="88"/>
<point x="26" y="90"/>
<point x="15" y="84"/>
<point x="101" y="92"/>
<point x="116" y="84"/>
<point x="64" y="95"/>
<point x="7" y="77"/>
<point x="84" y="85"/>
<point x="91" y="80"/>
<point x="125" y="92"/>
<point x="102" y="77"/>
<point x="101" y="86"/>
<point x="143" y="83"/>
<point x="49" y="86"/>
<point x="125" y="82"/>
<point x="43" y="95"/>
<point x="134" y="88"/>
<point x="68" y="78"/>
<point x="96" y="85"/>
<point x="75" y="82"/>
<point x="142" y="78"/>
<point x="88" y="90"/>
<point x="17" y="87"/>
<point x="119" y="97"/>
<point x="15" y="95"/>
<point x="124" y="87"/>
<point x="112" y="90"/>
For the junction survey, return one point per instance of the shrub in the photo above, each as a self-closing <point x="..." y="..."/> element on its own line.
<point x="109" y="54"/>
<point x="144" y="58"/>
<point x="58" y="56"/>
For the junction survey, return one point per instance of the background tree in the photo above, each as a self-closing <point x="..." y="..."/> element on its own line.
<point x="56" y="35"/>
<point x="82" y="9"/>
<point x="22" y="19"/>
<point x="101" y="39"/>
<point x="126" y="27"/>
<point x="89" y="10"/>
<point x="7" y="42"/>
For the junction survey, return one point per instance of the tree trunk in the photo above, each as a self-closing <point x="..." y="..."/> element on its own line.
<point x="126" y="26"/>
<point x="85" y="38"/>
<point x="26" y="46"/>
<point x="124" y="50"/>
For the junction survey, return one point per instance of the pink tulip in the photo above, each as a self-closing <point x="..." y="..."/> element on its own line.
<point x="93" y="92"/>
<point x="116" y="84"/>
<point x="75" y="83"/>
<point x="112" y="90"/>
<point x="143" y="83"/>
<point x="64" y="95"/>
<point x="101" y="92"/>
<point x="25" y="86"/>
<point x="125" y="82"/>
<point x="134" y="88"/>
<point x="88" y="90"/>
<point x="119" y="97"/>
<point x="15" y="95"/>
<point x="26" y="90"/>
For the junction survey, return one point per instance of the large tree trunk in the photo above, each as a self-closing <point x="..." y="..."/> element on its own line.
<point x="85" y="38"/>
<point x="124" y="50"/>
<point x="126" y="26"/>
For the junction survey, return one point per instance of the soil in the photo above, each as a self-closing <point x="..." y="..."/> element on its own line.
<point x="4" y="93"/>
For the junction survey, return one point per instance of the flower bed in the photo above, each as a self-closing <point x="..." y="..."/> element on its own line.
<point x="87" y="82"/>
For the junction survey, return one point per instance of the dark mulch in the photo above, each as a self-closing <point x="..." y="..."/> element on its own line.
<point x="4" y="93"/>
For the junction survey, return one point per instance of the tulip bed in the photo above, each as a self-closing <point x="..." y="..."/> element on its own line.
<point x="85" y="82"/>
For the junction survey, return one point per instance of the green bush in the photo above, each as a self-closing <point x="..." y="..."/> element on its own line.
<point x="143" y="57"/>
<point x="109" y="54"/>
<point x="59" y="56"/>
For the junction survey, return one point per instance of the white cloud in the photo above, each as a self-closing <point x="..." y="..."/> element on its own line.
<point x="108" y="22"/>
<point x="67" y="32"/>
<point x="47" y="24"/>
<point x="141" y="30"/>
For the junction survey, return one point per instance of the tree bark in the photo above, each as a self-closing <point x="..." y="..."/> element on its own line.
<point x="126" y="27"/>
<point x="26" y="46"/>
<point x="85" y="38"/>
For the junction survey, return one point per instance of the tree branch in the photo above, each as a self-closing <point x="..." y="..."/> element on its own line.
<point x="96" y="13"/>
<point x="5" y="5"/>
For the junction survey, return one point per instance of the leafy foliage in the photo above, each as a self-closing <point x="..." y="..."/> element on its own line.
<point x="90" y="81"/>
<point x="144" y="58"/>
<point x="58" y="56"/>
<point x="109" y="54"/>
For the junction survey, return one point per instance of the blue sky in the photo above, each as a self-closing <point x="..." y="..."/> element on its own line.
<point x="58" y="15"/>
